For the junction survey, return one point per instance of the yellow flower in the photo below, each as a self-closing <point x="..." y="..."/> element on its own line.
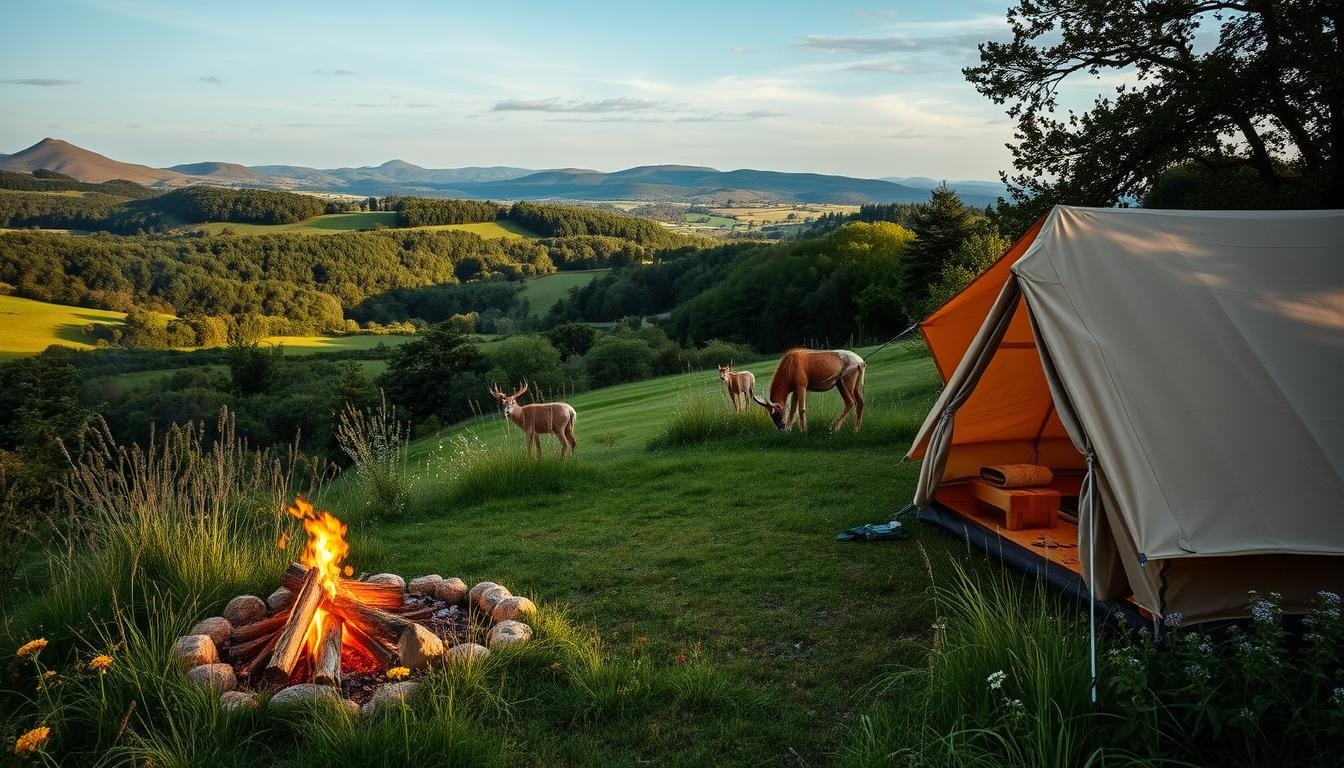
<point x="398" y="673"/>
<point x="100" y="663"/>
<point x="31" y="741"/>
<point x="48" y="676"/>
<point x="33" y="647"/>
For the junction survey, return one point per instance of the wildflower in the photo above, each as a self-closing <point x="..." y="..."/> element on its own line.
<point x="1205" y="648"/>
<point x="31" y="741"/>
<point x="555" y="666"/>
<point x="1329" y="598"/>
<point x="32" y="647"/>
<point x="100" y="663"/>
<point x="1262" y="611"/>
<point x="1173" y="619"/>
<point x="1196" y="672"/>
<point x="996" y="680"/>
<point x="1015" y="704"/>
<point x="1337" y="697"/>
<point x="398" y="673"/>
<point x="681" y="658"/>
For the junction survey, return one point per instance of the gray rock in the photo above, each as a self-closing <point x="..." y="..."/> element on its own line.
<point x="245" y="609"/>
<point x="218" y="676"/>
<point x="280" y="599"/>
<point x="424" y="585"/>
<point x="474" y="596"/>
<point x="303" y="694"/>
<point x="508" y="633"/>
<point x="387" y="578"/>
<point x="237" y="700"/>
<point x="491" y="598"/>
<point x="389" y="694"/>
<point x="195" y="650"/>
<point x="217" y="628"/>
<point x="417" y="647"/>
<point x="513" y="609"/>
<point x="452" y="591"/>
<point x="467" y="653"/>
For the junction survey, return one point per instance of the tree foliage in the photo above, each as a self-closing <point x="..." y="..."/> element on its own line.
<point x="439" y="374"/>
<point x="1255" y="84"/>
<point x="420" y="211"/>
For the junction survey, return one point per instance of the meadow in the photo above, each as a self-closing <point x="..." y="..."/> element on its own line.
<point x="541" y="293"/>
<point x="336" y="223"/>
<point x="27" y="327"/>
<point x="30" y="326"/>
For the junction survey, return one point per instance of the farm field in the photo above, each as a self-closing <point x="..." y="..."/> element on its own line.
<point x="542" y="292"/>
<point x="336" y="223"/>
<point x="721" y="551"/>
<point x="28" y="327"/>
<point x="779" y="214"/>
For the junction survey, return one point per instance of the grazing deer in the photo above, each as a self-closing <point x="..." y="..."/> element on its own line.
<point x="555" y="418"/>
<point x="803" y="370"/>
<point x="741" y="385"/>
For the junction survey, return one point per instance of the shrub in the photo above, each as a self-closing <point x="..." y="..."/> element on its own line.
<point x="527" y="358"/>
<point x="617" y="359"/>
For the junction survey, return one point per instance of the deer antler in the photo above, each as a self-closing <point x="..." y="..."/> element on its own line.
<point x="521" y="390"/>
<point x="494" y="390"/>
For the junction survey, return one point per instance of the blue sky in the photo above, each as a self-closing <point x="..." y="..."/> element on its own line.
<point x="856" y="89"/>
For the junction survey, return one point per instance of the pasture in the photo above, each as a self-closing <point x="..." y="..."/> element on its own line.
<point x="542" y="292"/>
<point x="27" y="327"/>
<point x="779" y="214"/>
<point x="306" y="345"/>
<point x="336" y="223"/>
<point x="719" y="550"/>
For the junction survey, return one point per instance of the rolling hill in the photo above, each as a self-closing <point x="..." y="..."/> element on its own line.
<point x="650" y="183"/>
<point x="85" y="165"/>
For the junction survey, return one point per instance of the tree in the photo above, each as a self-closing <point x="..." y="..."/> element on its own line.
<point x="940" y="230"/>
<point x="437" y="374"/>
<point x="253" y="369"/>
<point x="572" y="339"/>
<point x="1265" y="93"/>
<point x="528" y="358"/>
<point x="615" y="359"/>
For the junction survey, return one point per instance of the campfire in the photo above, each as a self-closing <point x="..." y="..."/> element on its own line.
<point x="326" y="634"/>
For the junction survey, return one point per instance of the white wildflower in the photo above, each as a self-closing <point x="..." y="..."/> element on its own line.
<point x="1173" y="619"/>
<point x="996" y="680"/>
<point x="1329" y="598"/>
<point x="1262" y="611"/>
<point x="1196" y="672"/>
<point x="1205" y="648"/>
<point x="1015" y="704"/>
<point x="1337" y="697"/>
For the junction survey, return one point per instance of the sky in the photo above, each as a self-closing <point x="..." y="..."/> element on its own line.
<point x="827" y="87"/>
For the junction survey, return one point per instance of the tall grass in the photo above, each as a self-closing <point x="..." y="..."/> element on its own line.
<point x="465" y="469"/>
<point x="700" y="417"/>
<point x="186" y="516"/>
<point x="1006" y="684"/>
<point x="377" y="442"/>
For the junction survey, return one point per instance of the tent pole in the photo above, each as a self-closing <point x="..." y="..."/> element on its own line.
<point x="1092" y="567"/>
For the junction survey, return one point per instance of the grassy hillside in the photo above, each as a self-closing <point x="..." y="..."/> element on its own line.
<point x="542" y="292"/>
<point x="28" y="327"/>
<point x="721" y="551"/>
<point x="335" y="223"/>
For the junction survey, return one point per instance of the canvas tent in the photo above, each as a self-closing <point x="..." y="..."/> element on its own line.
<point x="1194" y="360"/>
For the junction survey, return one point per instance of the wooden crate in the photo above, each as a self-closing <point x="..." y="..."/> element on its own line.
<point x="1022" y="507"/>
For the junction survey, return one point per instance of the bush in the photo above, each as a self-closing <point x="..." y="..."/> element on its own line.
<point x="617" y="359"/>
<point x="531" y="359"/>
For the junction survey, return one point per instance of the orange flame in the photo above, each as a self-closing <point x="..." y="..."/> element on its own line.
<point x="326" y="550"/>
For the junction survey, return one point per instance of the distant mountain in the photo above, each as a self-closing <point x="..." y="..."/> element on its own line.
<point x="225" y="172"/>
<point x="964" y="188"/>
<point x="80" y="163"/>
<point x="648" y="183"/>
<point x="666" y="183"/>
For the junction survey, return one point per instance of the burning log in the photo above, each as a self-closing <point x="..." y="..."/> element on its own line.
<point x="376" y="595"/>
<point x="289" y="646"/>
<point x="250" y="668"/>
<point x="376" y="622"/>
<point x="257" y="629"/>
<point x="373" y="648"/>
<point x="327" y="665"/>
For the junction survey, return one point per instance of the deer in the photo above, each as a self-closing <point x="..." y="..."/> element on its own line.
<point x="741" y="385"/>
<point x="806" y="370"/>
<point x="534" y="419"/>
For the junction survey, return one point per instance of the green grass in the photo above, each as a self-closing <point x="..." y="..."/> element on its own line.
<point x="721" y="547"/>
<point x="543" y="292"/>
<point x="304" y="345"/>
<point x="28" y="327"/>
<point x="329" y="224"/>
<point x="709" y="220"/>
<point x="336" y="223"/>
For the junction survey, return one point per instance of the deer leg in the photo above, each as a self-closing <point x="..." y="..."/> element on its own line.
<point x="858" y="401"/>
<point x="800" y="405"/>
<point x="849" y="406"/>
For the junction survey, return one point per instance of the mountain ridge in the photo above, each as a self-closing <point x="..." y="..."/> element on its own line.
<point x="645" y="183"/>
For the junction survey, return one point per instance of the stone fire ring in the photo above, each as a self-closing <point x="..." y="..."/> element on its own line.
<point x="210" y="654"/>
